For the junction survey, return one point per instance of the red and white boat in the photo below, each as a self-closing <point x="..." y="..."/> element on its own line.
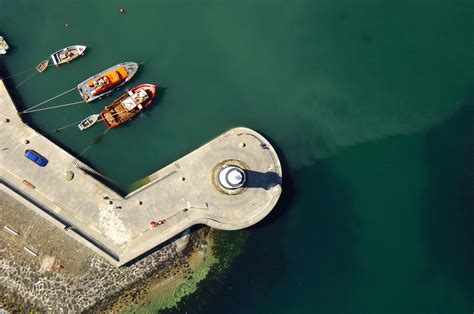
<point x="128" y="105"/>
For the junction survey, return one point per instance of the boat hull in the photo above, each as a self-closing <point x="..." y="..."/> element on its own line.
<point x="3" y="46"/>
<point x="88" y="122"/>
<point x="87" y="92"/>
<point x="107" y="115"/>
<point x="42" y="66"/>
<point x="68" y="54"/>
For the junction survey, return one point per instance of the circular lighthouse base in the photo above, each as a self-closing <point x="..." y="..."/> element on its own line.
<point x="229" y="176"/>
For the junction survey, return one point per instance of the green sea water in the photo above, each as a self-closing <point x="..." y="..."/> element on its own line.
<point x="370" y="104"/>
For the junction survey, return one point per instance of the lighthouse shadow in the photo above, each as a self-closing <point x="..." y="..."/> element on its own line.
<point x="265" y="180"/>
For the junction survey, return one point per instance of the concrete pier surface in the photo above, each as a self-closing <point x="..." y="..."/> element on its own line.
<point x="182" y="194"/>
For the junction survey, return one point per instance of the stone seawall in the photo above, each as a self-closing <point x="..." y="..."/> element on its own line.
<point x="67" y="276"/>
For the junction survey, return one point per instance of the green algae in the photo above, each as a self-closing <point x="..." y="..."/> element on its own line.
<point x="138" y="184"/>
<point x="364" y="232"/>
<point x="170" y="293"/>
<point x="209" y="260"/>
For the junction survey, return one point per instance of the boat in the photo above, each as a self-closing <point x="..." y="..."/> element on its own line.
<point x="88" y="122"/>
<point x="3" y="46"/>
<point x="105" y="82"/>
<point x="128" y="105"/>
<point x="67" y="54"/>
<point x="42" y="66"/>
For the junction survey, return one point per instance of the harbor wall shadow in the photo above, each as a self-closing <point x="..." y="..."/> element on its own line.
<point x="5" y="73"/>
<point x="448" y="218"/>
<point x="288" y="190"/>
<point x="159" y="247"/>
<point x="63" y="221"/>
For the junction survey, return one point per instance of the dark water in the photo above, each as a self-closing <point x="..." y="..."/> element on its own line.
<point x="370" y="104"/>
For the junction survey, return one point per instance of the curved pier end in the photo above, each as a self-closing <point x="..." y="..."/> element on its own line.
<point x="230" y="183"/>
<point x="207" y="202"/>
<point x="187" y="192"/>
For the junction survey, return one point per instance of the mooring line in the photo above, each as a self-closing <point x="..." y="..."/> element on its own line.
<point x="27" y="78"/>
<point x="54" y="107"/>
<point x="65" y="127"/>
<point x="41" y="103"/>
<point x="90" y="107"/>
<point x="20" y="73"/>
<point x="75" y="123"/>
<point x="97" y="140"/>
<point x="85" y="150"/>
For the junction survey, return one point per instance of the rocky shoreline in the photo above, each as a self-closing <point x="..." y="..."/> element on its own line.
<point x="165" y="287"/>
<point x="103" y="288"/>
<point x="69" y="277"/>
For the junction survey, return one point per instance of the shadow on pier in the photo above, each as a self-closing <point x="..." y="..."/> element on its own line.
<point x="288" y="194"/>
<point x="265" y="180"/>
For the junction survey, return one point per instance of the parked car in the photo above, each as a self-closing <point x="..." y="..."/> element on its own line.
<point x="36" y="158"/>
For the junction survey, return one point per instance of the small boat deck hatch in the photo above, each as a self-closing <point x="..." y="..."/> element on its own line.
<point x="129" y="103"/>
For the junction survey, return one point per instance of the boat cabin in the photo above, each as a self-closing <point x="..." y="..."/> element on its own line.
<point x="135" y="99"/>
<point x="107" y="80"/>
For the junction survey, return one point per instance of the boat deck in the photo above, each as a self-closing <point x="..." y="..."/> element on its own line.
<point x="86" y="91"/>
<point x="68" y="54"/>
<point x="117" y="115"/>
<point x="183" y="193"/>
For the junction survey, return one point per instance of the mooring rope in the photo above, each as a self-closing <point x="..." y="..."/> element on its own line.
<point x="54" y="107"/>
<point x="20" y="73"/>
<point x="65" y="127"/>
<point x="23" y="72"/>
<point x="27" y="78"/>
<point x="41" y="103"/>
<point x="96" y="140"/>
<point x="75" y="123"/>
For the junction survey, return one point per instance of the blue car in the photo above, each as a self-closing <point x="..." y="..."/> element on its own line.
<point x="36" y="158"/>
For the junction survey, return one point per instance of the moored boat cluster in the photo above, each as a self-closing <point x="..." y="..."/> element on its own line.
<point x="122" y="109"/>
<point x="126" y="106"/>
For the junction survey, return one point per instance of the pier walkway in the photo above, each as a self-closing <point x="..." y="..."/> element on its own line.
<point x="182" y="194"/>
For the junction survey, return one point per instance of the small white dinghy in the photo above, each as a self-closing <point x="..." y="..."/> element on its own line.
<point x="88" y="122"/>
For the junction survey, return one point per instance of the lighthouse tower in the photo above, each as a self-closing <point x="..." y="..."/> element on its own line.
<point x="231" y="177"/>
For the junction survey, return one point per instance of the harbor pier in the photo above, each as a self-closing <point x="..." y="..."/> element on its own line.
<point x="230" y="183"/>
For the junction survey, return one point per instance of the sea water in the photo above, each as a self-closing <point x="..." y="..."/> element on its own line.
<point x="369" y="104"/>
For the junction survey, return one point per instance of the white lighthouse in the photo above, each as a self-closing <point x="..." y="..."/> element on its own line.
<point x="231" y="177"/>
